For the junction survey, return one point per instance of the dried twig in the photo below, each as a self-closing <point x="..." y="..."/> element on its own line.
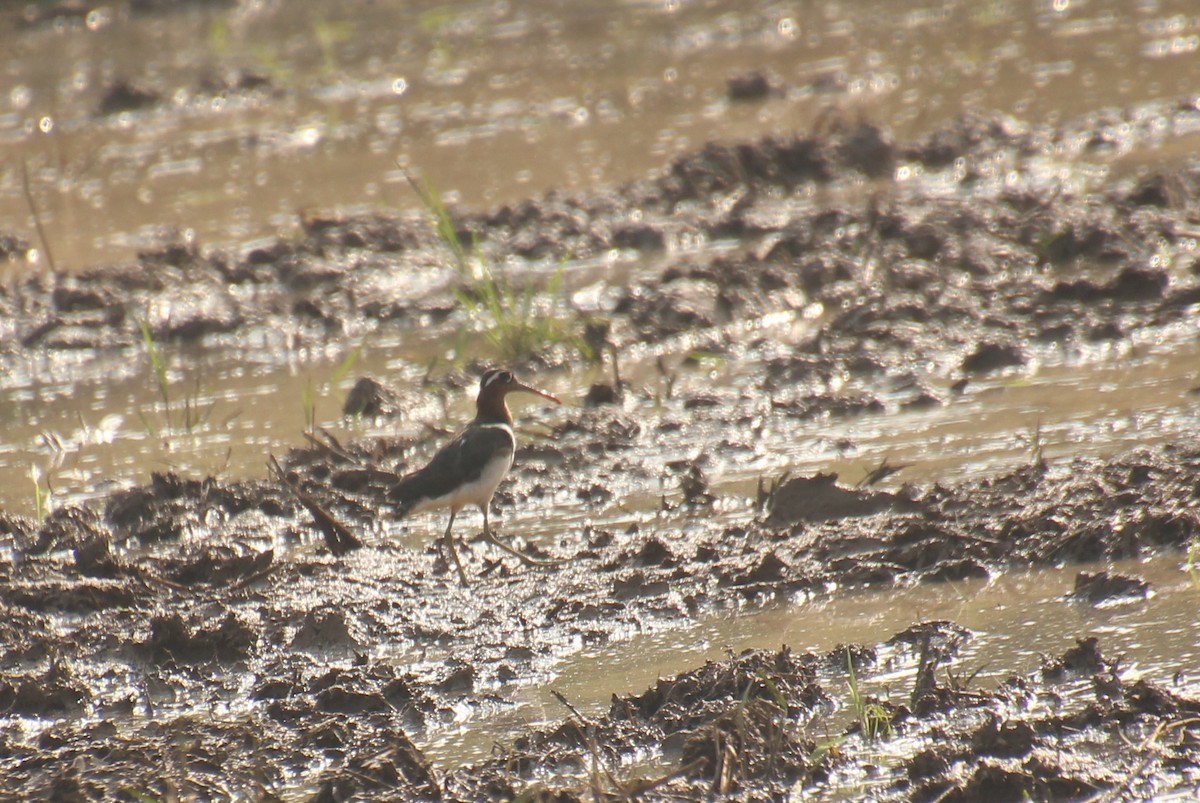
<point x="338" y="537"/>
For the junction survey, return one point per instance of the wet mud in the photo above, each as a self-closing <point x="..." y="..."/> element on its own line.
<point x="208" y="638"/>
<point x="992" y="267"/>
<point x="222" y="668"/>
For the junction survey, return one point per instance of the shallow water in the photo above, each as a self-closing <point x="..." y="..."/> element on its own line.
<point x="86" y="431"/>
<point x="497" y="101"/>
<point x="604" y="95"/>
<point x="1015" y="619"/>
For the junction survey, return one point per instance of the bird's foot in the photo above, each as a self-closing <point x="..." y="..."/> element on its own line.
<point x="526" y="559"/>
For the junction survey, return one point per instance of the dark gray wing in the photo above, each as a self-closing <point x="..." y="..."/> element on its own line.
<point x="460" y="461"/>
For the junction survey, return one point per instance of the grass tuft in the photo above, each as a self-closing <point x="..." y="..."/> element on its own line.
<point x="874" y="720"/>
<point x="308" y="401"/>
<point x="1192" y="564"/>
<point x="344" y="367"/>
<point x="157" y="363"/>
<point x="517" y="323"/>
<point x="1037" y="454"/>
<point x="41" y="495"/>
<point x="177" y="417"/>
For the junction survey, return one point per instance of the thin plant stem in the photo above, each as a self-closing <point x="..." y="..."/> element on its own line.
<point x="37" y="218"/>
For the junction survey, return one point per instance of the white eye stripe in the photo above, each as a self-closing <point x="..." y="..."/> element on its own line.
<point x="492" y="376"/>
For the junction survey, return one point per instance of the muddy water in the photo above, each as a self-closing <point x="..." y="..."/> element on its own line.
<point x="1015" y="619"/>
<point x="496" y="102"/>
<point x="257" y="112"/>
<point x="1089" y="406"/>
<point x="82" y="436"/>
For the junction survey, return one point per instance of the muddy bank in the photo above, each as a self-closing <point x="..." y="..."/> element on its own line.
<point x="982" y="248"/>
<point x="230" y="653"/>
<point x="758" y="726"/>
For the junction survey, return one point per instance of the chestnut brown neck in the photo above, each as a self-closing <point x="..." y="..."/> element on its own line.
<point x="490" y="407"/>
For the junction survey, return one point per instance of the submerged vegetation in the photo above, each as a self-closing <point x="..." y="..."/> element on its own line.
<point x="1192" y="562"/>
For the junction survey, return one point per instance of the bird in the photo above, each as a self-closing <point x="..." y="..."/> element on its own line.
<point x="468" y="469"/>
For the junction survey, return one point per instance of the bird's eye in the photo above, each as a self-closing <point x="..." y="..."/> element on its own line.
<point x="505" y="377"/>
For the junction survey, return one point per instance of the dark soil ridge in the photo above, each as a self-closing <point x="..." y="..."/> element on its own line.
<point x="213" y="602"/>
<point x="753" y="726"/>
<point x="748" y="727"/>
<point x="909" y="270"/>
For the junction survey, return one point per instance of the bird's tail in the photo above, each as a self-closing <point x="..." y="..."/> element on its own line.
<point x="405" y="494"/>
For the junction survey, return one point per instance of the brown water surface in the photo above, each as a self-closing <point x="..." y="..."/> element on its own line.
<point x="1015" y="620"/>
<point x="261" y="111"/>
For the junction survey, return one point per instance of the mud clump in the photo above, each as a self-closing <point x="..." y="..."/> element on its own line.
<point x="56" y="693"/>
<point x="371" y="399"/>
<point x="753" y="86"/>
<point x="126" y="96"/>
<point x="820" y="498"/>
<point x="1100" y="587"/>
<point x="172" y="639"/>
<point x="993" y="357"/>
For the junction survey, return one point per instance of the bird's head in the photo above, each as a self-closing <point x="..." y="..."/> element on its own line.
<point x="497" y="383"/>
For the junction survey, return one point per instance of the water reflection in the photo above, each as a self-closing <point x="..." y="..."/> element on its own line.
<point x="1015" y="620"/>
<point x="250" y="114"/>
<point x="84" y="428"/>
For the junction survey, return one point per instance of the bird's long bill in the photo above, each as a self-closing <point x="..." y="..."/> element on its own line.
<point x="536" y="392"/>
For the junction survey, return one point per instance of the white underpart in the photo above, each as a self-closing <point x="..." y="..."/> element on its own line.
<point x="480" y="491"/>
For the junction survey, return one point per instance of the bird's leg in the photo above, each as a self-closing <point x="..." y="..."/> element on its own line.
<point x="490" y="536"/>
<point x="449" y="539"/>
